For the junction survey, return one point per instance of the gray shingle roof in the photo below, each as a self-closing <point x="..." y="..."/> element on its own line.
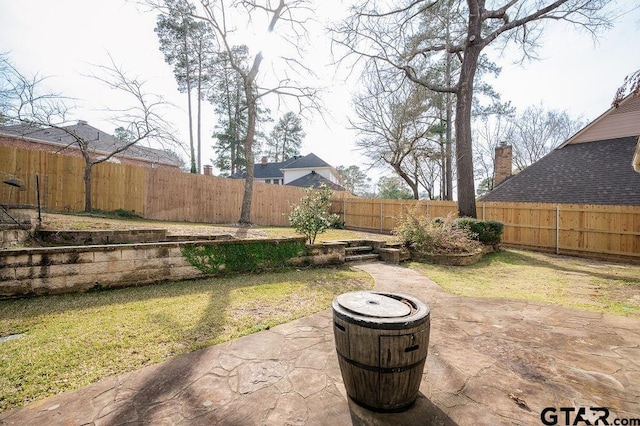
<point x="306" y="162"/>
<point x="584" y="173"/>
<point x="98" y="141"/>
<point x="271" y="170"/>
<point x="274" y="170"/>
<point x="314" y="180"/>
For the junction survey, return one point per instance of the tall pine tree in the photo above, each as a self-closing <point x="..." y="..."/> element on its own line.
<point x="285" y="139"/>
<point x="187" y="44"/>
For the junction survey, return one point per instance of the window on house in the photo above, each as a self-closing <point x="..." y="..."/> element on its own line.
<point x="267" y="181"/>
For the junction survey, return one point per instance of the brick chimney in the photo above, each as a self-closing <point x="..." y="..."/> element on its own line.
<point x="264" y="160"/>
<point x="208" y="170"/>
<point x="502" y="163"/>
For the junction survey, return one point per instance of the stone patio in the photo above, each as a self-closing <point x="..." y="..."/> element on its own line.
<point x="498" y="362"/>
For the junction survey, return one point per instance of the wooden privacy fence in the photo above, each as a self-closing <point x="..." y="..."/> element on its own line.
<point x="151" y="193"/>
<point x="603" y="231"/>
<point x="380" y="215"/>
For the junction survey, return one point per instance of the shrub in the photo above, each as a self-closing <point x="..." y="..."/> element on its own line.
<point x="311" y="216"/>
<point x="228" y="258"/>
<point x="485" y="231"/>
<point x="434" y="237"/>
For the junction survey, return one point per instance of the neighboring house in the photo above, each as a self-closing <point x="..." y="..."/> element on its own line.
<point x="594" y="166"/>
<point x="58" y="141"/>
<point x="303" y="171"/>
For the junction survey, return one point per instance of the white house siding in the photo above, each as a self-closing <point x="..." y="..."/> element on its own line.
<point x="616" y="123"/>
<point x="292" y="174"/>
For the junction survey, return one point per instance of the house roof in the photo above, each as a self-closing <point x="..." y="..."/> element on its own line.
<point x="616" y="122"/>
<point x="307" y="162"/>
<point x="314" y="180"/>
<point x="270" y="170"/>
<point x="598" y="172"/>
<point x="100" y="142"/>
<point x="275" y="170"/>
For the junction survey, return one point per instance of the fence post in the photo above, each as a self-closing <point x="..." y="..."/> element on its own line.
<point x="557" y="229"/>
<point x="381" y="216"/>
<point x="483" y="212"/>
<point x="344" y="210"/>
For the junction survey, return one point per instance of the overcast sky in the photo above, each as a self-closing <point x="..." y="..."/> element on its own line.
<point x="62" y="38"/>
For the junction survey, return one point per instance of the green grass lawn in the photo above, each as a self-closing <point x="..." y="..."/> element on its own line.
<point x="612" y="288"/>
<point x="77" y="339"/>
<point x="330" y="235"/>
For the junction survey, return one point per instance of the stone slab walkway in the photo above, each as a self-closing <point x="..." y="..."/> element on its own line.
<point x="490" y="362"/>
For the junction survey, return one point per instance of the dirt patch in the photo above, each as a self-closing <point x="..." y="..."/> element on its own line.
<point x="73" y="222"/>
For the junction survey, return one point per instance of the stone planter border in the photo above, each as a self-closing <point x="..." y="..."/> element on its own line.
<point x="457" y="259"/>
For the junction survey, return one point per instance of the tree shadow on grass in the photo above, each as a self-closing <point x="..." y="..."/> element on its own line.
<point x="154" y="391"/>
<point x="57" y="304"/>
<point x="206" y="327"/>
<point x="523" y="258"/>
<point x="168" y="385"/>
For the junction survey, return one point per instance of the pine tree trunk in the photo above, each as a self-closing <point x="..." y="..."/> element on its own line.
<point x="199" y="131"/>
<point x="448" y="166"/>
<point x="464" y="146"/>
<point x="188" y="82"/>
<point x="448" y="175"/>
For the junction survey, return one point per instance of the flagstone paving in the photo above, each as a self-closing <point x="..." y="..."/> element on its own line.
<point x="490" y="362"/>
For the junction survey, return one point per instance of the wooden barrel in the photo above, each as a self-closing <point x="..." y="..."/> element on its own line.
<point x="382" y="340"/>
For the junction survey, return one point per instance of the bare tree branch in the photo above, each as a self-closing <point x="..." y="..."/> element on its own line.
<point x="411" y="39"/>
<point x="286" y="17"/>
<point x="36" y="109"/>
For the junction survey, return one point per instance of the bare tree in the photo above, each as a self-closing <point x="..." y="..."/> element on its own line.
<point x="532" y="134"/>
<point x="393" y="121"/>
<point x="537" y="131"/>
<point x="631" y="85"/>
<point x="6" y="89"/>
<point x="286" y="19"/>
<point x="143" y="121"/>
<point x="489" y="133"/>
<point x="378" y="32"/>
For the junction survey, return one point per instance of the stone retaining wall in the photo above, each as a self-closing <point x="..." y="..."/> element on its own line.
<point x="11" y="236"/>
<point x="17" y="224"/>
<point x="101" y="236"/>
<point x="55" y="270"/>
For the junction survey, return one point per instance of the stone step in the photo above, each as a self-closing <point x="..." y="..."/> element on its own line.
<point x="355" y="249"/>
<point x="361" y="257"/>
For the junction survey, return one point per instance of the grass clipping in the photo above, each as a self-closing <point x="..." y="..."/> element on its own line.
<point x="73" y="340"/>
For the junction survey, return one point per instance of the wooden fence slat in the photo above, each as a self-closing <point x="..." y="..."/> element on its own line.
<point x="169" y="195"/>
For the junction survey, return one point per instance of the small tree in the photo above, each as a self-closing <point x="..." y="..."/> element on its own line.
<point x="311" y="215"/>
<point x="142" y="120"/>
